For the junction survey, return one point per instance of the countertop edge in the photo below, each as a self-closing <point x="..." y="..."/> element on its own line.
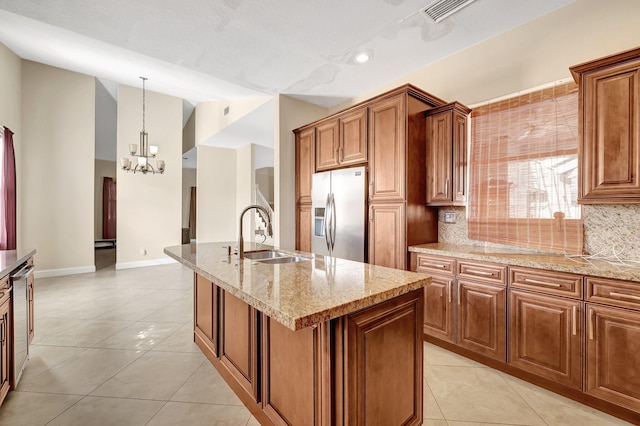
<point x="299" y="323"/>
<point x="22" y="259"/>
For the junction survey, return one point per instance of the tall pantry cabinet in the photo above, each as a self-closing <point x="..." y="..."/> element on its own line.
<point x="392" y="145"/>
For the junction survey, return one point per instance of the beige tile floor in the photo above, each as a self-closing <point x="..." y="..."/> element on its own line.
<point x="116" y="348"/>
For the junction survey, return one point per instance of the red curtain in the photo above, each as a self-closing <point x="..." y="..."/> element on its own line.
<point x="108" y="209"/>
<point x="8" y="193"/>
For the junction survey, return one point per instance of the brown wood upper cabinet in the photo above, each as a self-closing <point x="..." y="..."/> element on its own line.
<point x="305" y="164"/>
<point x="342" y="141"/>
<point x="447" y="155"/>
<point x="609" y="129"/>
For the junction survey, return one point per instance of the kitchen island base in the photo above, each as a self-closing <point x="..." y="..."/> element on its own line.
<point x="361" y="368"/>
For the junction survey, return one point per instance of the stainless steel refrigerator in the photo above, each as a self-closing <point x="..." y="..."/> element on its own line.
<point x="339" y="211"/>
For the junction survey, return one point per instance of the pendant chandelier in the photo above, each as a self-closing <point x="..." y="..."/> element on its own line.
<point x="147" y="152"/>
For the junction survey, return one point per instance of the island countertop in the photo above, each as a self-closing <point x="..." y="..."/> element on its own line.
<point x="301" y="294"/>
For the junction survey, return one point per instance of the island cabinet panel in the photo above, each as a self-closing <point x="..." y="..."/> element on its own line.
<point x="206" y="313"/>
<point x="613" y="355"/>
<point x="295" y="371"/>
<point x="482" y="326"/>
<point x="383" y="367"/>
<point x="545" y="334"/>
<point x="239" y="342"/>
<point x="5" y="347"/>
<point x="387" y="146"/>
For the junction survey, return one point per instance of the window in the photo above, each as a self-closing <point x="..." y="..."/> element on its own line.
<point x="524" y="171"/>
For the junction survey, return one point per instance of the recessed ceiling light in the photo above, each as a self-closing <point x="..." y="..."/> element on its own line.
<point x="363" y="57"/>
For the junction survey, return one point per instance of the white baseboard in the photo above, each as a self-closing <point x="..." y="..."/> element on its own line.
<point x="64" y="271"/>
<point x="143" y="263"/>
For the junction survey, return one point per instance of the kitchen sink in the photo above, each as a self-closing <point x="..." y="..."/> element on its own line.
<point x="263" y="254"/>
<point x="284" y="259"/>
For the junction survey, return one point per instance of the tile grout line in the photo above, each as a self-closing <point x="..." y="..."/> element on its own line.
<point x="523" y="398"/>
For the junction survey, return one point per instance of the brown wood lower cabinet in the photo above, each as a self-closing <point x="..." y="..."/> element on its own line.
<point x="613" y="355"/>
<point x="206" y="313"/>
<point x="439" y="312"/>
<point x="239" y="342"/>
<point x="545" y="335"/>
<point x="482" y="324"/>
<point x="5" y="357"/>
<point x="363" y="368"/>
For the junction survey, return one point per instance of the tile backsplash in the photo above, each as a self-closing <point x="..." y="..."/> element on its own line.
<point x="608" y="229"/>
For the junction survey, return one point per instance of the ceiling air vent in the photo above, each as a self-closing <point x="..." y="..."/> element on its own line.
<point x="440" y="9"/>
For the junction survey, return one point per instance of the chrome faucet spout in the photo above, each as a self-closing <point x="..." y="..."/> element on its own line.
<point x="240" y="237"/>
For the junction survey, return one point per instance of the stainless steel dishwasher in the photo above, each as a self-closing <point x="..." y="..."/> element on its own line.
<point x="20" y="303"/>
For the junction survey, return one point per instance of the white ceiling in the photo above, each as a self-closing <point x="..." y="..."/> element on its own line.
<point x="204" y="50"/>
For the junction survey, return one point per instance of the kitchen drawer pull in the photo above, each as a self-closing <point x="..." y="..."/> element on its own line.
<point x="530" y="281"/>
<point x="459" y="294"/>
<point x="574" y="320"/>
<point x="472" y="272"/>
<point x="624" y="296"/>
<point x="449" y="289"/>
<point x="438" y="265"/>
<point x="591" y="324"/>
<point x="446" y="188"/>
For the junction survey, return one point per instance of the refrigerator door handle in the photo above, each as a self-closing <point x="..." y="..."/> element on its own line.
<point x="327" y="207"/>
<point x="333" y="221"/>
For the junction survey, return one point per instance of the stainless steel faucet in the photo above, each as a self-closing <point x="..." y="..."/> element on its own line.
<point x="241" y="239"/>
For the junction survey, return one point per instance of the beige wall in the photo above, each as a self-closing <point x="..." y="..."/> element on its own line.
<point x="10" y="116"/>
<point x="264" y="180"/>
<point x="189" y="133"/>
<point x="58" y="125"/>
<point x="210" y="118"/>
<point x="149" y="206"/>
<point x="290" y="114"/>
<point x="103" y="168"/>
<point x="188" y="180"/>
<point x="245" y="188"/>
<point x="216" y="183"/>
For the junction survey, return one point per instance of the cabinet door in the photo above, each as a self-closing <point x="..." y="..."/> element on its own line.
<point x="239" y="342"/>
<point x="353" y="138"/>
<point x="613" y="355"/>
<point x="610" y="161"/>
<point x="482" y="319"/>
<point x="4" y="349"/>
<point x="206" y="313"/>
<point x="386" y="236"/>
<point x="545" y="336"/>
<point x="303" y="228"/>
<point x="439" y="158"/>
<point x="387" y="147"/>
<point x="439" y="308"/>
<point x="327" y="145"/>
<point x="305" y="164"/>
<point x="459" y="172"/>
<point x="384" y="363"/>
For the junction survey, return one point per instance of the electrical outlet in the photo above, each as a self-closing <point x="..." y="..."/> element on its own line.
<point x="143" y="251"/>
<point x="449" y="217"/>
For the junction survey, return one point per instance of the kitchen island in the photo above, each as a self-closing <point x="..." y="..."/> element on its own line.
<point x="322" y="341"/>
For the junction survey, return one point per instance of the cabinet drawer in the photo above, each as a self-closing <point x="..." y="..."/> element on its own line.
<point x="4" y="282"/>
<point x="5" y="293"/>
<point x="625" y="294"/>
<point x="436" y="264"/>
<point x="549" y="282"/>
<point x="485" y="272"/>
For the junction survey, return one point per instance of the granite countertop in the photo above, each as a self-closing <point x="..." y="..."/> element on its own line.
<point x="553" y="262"/>
<point x="300" y="294"/>
<point x="11" y="259"/>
